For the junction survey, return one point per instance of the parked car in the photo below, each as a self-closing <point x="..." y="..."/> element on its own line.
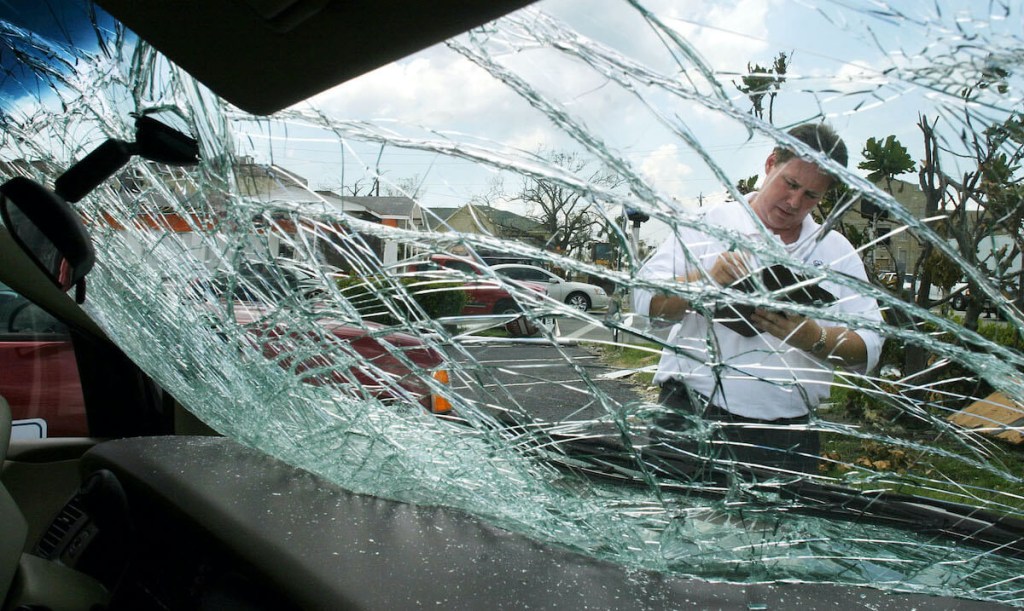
<point x="485" y="294"/>
<point x="959" y="293"/>
<point x="35" y="346"/>
<point x="962" y="296"/>
<point x="910" y="285"/>
<point x="579" y="295"/>
<point x="909" y="288"/>
<point x="366" y="361"/>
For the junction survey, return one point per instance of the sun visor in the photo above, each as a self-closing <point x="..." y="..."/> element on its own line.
<point x="265" y="55"/>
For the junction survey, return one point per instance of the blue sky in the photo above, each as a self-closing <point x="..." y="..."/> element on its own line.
<point x="62" y="22"/>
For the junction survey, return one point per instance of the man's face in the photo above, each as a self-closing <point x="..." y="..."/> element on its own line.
<point x="791" y="190"/>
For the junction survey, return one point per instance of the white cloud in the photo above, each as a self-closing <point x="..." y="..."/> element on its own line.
<point x="663" y="168"/>
<point x="439" y="89"/>
<point x="726" y="34"/>
<point x="432" y="88"/>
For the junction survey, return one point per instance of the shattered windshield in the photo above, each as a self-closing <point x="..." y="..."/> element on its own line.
<point x="796" y="361"/>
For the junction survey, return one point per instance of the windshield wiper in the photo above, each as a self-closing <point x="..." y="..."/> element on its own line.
<point x="606" y="458"/>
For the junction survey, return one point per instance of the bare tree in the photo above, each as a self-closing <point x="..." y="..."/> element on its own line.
<point x="361" y="187"/>
<point x="980" y="203"/>
<point x="567" y="215"/>
<point x="410" y="186"/>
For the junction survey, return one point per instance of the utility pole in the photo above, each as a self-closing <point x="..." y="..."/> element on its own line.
<point x="637" y="217"/>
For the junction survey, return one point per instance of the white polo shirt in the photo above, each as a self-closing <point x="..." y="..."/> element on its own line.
<point x="761" y="376"/>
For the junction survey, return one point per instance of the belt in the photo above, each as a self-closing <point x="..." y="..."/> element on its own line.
<point x="710" y="410"/>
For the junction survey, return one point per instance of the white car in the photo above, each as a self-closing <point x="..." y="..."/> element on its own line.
<point x="579" y="295"/>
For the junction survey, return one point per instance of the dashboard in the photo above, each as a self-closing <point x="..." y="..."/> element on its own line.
<point x="183" y="522"/>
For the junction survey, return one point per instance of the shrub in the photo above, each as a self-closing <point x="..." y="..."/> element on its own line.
<point x="438" y="298"/>
<point x="958" y="386"/>
<point x="377" y="299"/>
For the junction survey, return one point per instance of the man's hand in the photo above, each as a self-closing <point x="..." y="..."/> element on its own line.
<point x="842" y="345"/>
<point x="797" y="331"/>
<point x="729" y="267"/>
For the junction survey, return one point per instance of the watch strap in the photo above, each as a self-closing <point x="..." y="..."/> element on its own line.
<point x="820" y="344"/>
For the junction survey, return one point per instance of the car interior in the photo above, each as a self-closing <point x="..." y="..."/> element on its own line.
<point x="156" y="510"/>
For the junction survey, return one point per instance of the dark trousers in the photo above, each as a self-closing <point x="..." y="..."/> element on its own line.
<point x="722" y="440"/>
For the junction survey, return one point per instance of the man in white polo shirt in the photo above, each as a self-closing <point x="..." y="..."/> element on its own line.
<point x="759" y="385"/>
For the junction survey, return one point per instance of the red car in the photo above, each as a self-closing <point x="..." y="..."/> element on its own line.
<point x="486" y="294"/>
<point x="360" y="359"/>
<point x="38" y="373"/>
<point x="35" y="346"/>
<point x="380" y="368"/>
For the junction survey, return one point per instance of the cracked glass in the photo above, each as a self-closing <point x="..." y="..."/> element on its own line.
<point x="845" y="405"/>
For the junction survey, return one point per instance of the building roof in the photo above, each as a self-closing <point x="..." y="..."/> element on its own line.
<point x="271" y="183"/>
<point x="486" y="217"/>
<point x="434" y="218"/>
<point x="510" y="220"/>
<point x="394" y="207"/>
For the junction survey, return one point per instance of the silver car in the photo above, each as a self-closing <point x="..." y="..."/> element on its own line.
<point x="579" y="295"/>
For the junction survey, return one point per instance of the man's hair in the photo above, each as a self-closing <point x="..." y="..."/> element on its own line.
<point x="818" y="136"/>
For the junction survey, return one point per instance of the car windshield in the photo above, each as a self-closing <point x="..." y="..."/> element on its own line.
<point x="631" y="147"/>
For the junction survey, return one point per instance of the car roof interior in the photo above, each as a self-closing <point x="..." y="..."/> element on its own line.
<point x="265" y="55"/>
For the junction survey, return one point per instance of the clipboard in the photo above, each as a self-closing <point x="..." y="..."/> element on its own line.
<point x="788" y="287"/>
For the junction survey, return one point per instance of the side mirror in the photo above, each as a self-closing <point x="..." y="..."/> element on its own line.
<point x="49" y="231"/>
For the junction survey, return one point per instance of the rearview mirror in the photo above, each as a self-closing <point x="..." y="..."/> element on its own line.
<point x="153" y="141"/>
<point x="50" y="232"/>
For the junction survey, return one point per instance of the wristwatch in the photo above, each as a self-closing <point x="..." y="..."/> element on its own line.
<point x="820" y="344"/>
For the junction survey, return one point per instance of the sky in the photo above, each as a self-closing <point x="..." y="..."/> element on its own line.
<point x="863" y="71"/>
<point x="867" y="67"/>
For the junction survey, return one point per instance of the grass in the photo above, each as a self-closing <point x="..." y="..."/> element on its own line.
<point x="633" y="357"/>
<point x="875" y="465"/>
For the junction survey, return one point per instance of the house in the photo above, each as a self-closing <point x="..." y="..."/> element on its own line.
<point x="274" y="184"/>
<point x="904" y="248"/>
<point x="399" y="212"/>
<point x="435" y="219"/>
<point x="487" y="220"/>
<point x="270" y="183"/>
